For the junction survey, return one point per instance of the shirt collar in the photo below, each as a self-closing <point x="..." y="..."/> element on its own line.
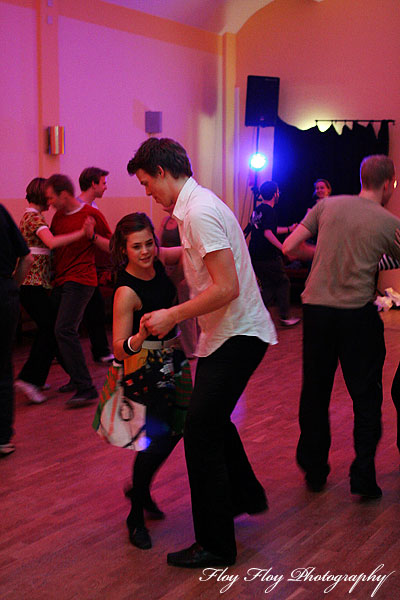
<point x="183" y="199"/>
<point x="88" y="203"/>
<point x="72" y="212"/>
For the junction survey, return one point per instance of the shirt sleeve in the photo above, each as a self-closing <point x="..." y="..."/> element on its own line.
<point x="311" y="219"/>
<point x="387" y="262"/>
<point x="37" y="222"/>
<point x="101" y="227"/>
<point x="206" y="231"/>
<point x="268" y="220"/>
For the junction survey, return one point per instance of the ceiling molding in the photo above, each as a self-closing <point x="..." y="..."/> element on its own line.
<point x="216" y="16"/>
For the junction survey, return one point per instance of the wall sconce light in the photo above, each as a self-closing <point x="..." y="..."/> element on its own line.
<point x="56" y="140"/>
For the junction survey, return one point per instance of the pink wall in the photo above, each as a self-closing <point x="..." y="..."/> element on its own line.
<point x="100" y="67"/>
<point x="107" y="82"/>
<point x="18" y="103"/>
<point x="335" y="59"/>
<point x="106" y="65"/>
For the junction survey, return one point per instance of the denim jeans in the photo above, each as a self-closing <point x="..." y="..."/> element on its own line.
<point x="71" y="298"/>
<point x="95" y="321"/>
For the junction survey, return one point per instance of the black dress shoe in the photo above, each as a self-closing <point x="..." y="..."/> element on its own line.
<point x="372" y="492"/>
<point x="196" y="557"/>
<point x="66" y="388"/>
<point x="82" y="398"/>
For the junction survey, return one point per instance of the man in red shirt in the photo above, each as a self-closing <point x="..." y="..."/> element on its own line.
<point x="93" y="184"/>
<point x="75" y="279"/>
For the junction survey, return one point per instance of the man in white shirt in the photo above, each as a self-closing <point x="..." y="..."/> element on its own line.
<point x="235" y="332"/>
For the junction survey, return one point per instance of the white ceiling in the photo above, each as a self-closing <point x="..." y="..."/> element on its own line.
<point x="217" y="16"/>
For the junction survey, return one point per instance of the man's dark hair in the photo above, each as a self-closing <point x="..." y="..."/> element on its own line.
<point x="268" y="190"/>
<point x="375" y="170"/>
<point x="60" y="183"/>
<point x="165" y="153"/>
<point x="90" y="175"/>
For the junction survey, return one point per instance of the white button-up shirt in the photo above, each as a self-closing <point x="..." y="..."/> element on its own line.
<point x="206" y="224"/>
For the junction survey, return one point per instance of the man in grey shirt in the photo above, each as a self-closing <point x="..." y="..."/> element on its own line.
<point x="341" y="322"/>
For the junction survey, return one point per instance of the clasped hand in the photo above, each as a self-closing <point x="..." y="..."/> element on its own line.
<point x="158" y="322"/>
<point x="88" y="227"/>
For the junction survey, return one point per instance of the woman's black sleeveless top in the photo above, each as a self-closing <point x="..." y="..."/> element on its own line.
<point x="154" y="294"/>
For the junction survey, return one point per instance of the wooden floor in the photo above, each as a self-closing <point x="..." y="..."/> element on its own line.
<point x="62" y="510"/>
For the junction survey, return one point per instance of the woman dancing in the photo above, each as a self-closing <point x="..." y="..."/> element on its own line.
<point x="143" y="286"/>
<point x="36" y="287"/>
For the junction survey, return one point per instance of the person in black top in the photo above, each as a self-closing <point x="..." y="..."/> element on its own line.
<point x="142" y="286"/>
<point x="266" y="253"/>
<point x="322" y="189"/>
<point x="15" y="261"/>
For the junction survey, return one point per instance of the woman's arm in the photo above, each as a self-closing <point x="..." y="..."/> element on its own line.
<point x="170" y="256"/>
<point x="55" y="241"/>
<point x="125" y="303"/>
<point x="22" y="268"/>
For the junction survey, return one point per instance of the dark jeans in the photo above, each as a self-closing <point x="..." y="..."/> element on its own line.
<point x="9" y="313"/>
<point x="71" y="299"/>
<point x="36" y="301"/>
<point x="95" y="321"/>
<point x="220" y="475"/>
<point x="275" y="283"/>
<point x="396" y="400"/>
<point x="355" y="338"/>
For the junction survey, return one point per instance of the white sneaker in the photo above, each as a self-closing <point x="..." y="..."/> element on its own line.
<point x="106" y="359"/>
<point x="31" y="391"/>
<point x="290" y="322"/>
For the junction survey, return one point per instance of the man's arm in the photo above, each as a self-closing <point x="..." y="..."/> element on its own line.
<point x="271" y="237"/>
<point x="101" y="242"/>
<point x="294" y="245"/>
<point x="102" y="233"/>
<point x="282" y="230"/>
<point x="223" y="289"/>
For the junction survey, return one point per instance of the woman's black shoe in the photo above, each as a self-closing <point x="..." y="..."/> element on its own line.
<point x="138" y="534"/>
<point x="140" y="538"/>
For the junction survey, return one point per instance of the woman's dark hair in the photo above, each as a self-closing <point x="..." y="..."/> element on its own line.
<point x="127" y="225"/>
<point x="35" y="192"/>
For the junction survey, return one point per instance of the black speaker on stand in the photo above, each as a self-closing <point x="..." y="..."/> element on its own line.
<point x="262" y="99"/>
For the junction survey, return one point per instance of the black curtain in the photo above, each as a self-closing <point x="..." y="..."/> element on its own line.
<point x="301" y="157"/>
